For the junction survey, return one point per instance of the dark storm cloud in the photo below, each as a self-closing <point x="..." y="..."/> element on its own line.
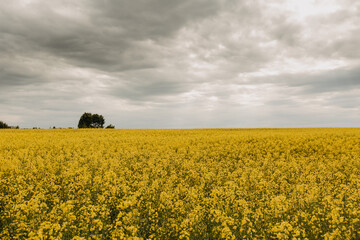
<point x="98" y="34"/>
<point x="151" y="19"/>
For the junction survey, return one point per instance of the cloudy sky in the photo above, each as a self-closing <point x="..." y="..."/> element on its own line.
<point x="180" y="63"/>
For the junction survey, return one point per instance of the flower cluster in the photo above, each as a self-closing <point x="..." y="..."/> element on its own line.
<point x="180" y="184"/>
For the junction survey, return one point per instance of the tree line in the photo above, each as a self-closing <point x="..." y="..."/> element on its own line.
<point x="87" y="120"/>
<point x="5" y="125"/>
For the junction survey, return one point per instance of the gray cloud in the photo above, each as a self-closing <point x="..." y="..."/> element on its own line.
<point x="98" y="34"/>
<point x="338" y="80"/>
<point x="152" y="19"/>
<point x="168" y="63"/>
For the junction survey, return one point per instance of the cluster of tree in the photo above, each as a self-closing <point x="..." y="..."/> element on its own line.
<point x="89" y="120"/>
<point x="5" y="125"/>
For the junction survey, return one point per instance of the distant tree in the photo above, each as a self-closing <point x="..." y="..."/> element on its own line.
<point x="98" y="121"/>
<point x="3" y="125"/>
<point x="110" y="126"/>
<point x="85" y="120"/>
<point x="88" y="120"/>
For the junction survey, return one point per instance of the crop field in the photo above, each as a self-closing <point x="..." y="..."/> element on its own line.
<point x="180" y="184"/>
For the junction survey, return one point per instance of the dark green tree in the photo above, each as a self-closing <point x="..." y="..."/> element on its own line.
<point x="85" y="120"/>
<point x="88" y="120"/>
<point x="3" y="125"/>
<point x="97" y="121"/>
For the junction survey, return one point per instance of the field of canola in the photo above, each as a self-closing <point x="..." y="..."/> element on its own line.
<point x="180" y="184"/>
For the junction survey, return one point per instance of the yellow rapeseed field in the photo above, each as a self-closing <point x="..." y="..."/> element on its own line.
<point x="180" y="184"/>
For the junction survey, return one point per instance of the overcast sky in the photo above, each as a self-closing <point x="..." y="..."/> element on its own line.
<point x="180" y="63"/>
